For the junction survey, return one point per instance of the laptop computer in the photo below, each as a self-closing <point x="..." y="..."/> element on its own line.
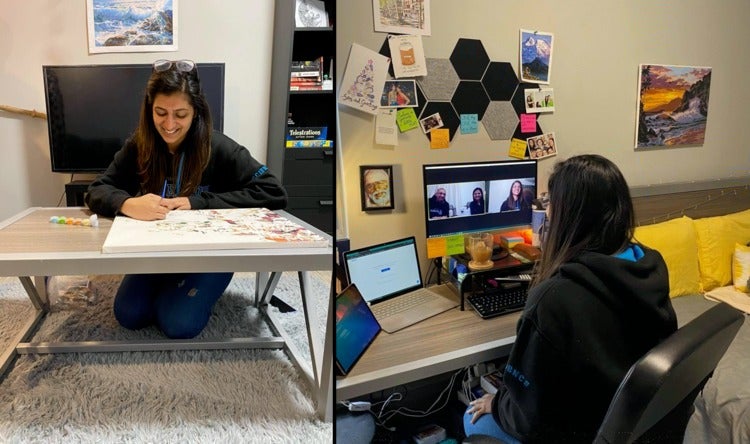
<point x="356" y="329"/>
<point x="389" y="279"/>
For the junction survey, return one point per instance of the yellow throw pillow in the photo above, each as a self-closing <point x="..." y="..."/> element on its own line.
<point x="676" y="241"/>
<point x="716" y="239"/>
<point x="741" y="267"/>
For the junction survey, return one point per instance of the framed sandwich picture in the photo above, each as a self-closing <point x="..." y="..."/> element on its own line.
<point x="376" y="183"/>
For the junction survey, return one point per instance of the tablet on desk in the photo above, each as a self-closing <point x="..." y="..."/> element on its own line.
<point x="356" y="328"/>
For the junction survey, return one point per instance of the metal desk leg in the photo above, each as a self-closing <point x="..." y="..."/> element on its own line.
<point x="321" y="351"/>
<point x="41" y="307"/>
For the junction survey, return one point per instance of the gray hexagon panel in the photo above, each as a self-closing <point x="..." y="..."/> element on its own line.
<point x="441" y="79"/>
<point x="500" y="120"/>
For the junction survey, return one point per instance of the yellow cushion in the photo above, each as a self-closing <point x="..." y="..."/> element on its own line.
<point x="741" y="267"/>
<point x="716" y="239"/>
<point x="675" y="240"/>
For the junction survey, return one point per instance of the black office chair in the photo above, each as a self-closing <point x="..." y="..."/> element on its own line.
<point x="655" y="399"/>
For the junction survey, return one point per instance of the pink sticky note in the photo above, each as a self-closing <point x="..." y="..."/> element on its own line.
<point x="528" y="123"/>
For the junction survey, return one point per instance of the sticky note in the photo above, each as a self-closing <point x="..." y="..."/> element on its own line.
<point x="517" y="148"/>
<point x="469" y="123"/>
<point x="455" y="244"/>
<point x="436" y="247"/>
<point x="406" y="119"/>
<point x="528" y="123"/>
<point x="439" y="138"/>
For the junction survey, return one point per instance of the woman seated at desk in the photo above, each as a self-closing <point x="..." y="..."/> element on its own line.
<point x="598" y="301"/>
<point x="175" y="161"/>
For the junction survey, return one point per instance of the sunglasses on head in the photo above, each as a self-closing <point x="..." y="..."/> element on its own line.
<point x="180" y="65"/>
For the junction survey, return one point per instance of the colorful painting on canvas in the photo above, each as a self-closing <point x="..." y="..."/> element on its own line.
<point x="672" y="105"/>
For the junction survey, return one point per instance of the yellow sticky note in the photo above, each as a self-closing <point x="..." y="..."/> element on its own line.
<point x="436" y="247"/>
<point x="517" y="148"/>
<point x="445" y="246"/>
<point x="406" y="119"/>
<point x="440" y="138"/>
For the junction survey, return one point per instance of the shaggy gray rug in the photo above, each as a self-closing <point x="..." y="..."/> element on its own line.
<point x="228" y="396"/>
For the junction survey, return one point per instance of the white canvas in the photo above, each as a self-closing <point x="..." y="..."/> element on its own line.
<point x="225" y="229"/>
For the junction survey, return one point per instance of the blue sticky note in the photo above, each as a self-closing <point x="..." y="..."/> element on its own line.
<point x="469" y="123"/>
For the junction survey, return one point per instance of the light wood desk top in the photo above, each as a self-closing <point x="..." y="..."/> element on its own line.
<point x="32" y="246"/>
<point x="446" y="342"/>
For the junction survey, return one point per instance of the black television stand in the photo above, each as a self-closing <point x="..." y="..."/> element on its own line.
<point x="75" y="190"/>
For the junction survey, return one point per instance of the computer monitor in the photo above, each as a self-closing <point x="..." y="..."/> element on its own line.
<point x="493" y="182"/>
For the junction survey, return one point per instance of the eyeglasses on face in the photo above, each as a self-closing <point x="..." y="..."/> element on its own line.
<point x="181" y="65"/>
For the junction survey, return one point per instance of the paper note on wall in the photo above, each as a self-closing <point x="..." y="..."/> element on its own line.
<point x="528" y="123"/>
<point x="385" y="127"/>
<point x="469" y="123"/>
<point x="439" y="138"/>
<point x="517" y="148"/>
<point x="406" y="119"/>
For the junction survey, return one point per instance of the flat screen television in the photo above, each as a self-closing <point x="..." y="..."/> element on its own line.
<point x="459" y="181"/>
<point x="93" y="109"/>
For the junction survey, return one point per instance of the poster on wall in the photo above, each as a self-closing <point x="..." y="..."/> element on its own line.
<point x="402" y="16"/>
<point x="126" y="26"/>
<point x="407" y="55"/>
<point x="535" y="50"/>
<point x="672" y="105"/>
<point x="364" y="79"/>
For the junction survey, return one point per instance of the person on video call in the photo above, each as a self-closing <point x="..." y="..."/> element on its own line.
<point x="597" y="302"/>
<point x="439" y="207"/>
<point x="476" y="206"/>
<point x="516" y="200"/>
<point x="175" y="161"/>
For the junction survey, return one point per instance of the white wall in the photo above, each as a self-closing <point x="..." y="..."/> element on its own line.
<point x="41" y="32"/>
<point x="598" y="47"/>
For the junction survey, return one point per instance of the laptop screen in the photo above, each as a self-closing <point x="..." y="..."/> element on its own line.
<point x="356" y="328"/>
<point x="384" y="270"/>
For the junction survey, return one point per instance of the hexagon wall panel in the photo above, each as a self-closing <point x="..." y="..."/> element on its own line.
<point x="421" y="101"/>
<point x="500" y="120"/>
<point x="469" y="59"/>
<point x="500" y="81"/>
<point x="470" y="98"/>
<point x="519" y="100"/>
<point x="385" y="50"/>
<point x="447" y="115"/>
<point x="441" y="79"/>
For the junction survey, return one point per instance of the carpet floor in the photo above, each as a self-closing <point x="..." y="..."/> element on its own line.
<point x="228" y="396"/>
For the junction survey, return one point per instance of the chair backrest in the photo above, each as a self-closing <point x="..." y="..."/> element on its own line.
<point x="655" y="398"/>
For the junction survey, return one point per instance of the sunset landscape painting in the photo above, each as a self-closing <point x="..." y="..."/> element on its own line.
<point x="672" y="105"/>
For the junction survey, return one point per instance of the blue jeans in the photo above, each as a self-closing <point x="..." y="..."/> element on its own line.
<point x="179" y="304"/>
<point x="486" y="425"/>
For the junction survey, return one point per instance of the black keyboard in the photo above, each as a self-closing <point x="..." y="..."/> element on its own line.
<point x="504" y="300"/>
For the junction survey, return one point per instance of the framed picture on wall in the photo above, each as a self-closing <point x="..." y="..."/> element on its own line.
<point x="117" y="26"/>
<point x="376" y="183"/>
<point x="672" y="105"/>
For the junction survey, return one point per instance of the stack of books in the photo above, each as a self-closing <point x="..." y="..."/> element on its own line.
<point x="308" y="137"/>
<point x="306" y="75"/>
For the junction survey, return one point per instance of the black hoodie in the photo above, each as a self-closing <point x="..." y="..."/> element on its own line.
<point x="232" y="179"/>
<point x="580" y="332"/>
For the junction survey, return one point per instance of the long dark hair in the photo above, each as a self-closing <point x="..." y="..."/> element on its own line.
<point x="512" y="203"/>
<point x="590" y="210"/>
<point x="154" y="160"/>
